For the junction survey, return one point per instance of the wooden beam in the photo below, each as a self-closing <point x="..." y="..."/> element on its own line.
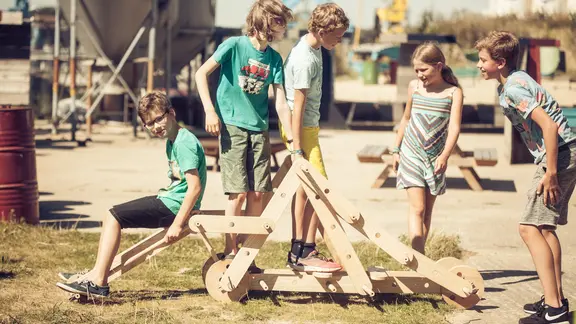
<point x="333" y="229"/>
<point x="402" y="253"/>
<point x="383" y="176"/>
<point x="137" y="254"/>
<point x="252" y="245"/>
<point x="395" y="282"/>
<point x="232" y="224"/>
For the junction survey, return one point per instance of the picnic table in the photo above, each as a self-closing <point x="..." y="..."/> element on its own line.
<point x="466" y="161"/>
<point x="211" y="148"/>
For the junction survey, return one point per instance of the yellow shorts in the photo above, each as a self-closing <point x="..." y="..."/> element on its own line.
<point x="311" y="147"/>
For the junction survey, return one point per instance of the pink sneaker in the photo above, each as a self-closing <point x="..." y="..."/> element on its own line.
<point x="314" y="262"/>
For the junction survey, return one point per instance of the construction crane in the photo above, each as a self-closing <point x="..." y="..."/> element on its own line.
<point x="393" y="17"/>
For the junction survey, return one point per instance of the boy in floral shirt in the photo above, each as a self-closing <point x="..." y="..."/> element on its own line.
<point x="539" y="120"/>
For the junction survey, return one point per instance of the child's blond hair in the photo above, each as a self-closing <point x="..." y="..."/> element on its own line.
<point x="501" y="45"/>
<point x="153" y="101"/>
<point x="430" y="53"/>
<point x="326" y="18"/>
<point x="263" y="14"/>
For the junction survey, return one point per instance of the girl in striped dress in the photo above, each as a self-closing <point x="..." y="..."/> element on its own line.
<point x="426" y="136"/>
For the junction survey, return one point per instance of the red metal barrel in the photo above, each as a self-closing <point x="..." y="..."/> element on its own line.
<point x="18" y="181"/>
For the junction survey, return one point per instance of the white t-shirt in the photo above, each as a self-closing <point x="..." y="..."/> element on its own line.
<point x="303" y="70"/>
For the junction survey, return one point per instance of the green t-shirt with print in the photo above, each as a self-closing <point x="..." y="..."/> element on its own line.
<point x="185" y="154"/>
<point x="245" y="76"/>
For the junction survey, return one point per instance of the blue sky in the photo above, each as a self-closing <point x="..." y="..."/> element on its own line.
<point x="231" y="13"/>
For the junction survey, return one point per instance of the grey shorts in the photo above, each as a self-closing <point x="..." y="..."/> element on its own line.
<point x="539" y="214"/>
<point x="244" y="160"/>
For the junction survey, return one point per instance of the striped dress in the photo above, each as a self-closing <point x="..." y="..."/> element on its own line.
<point x="424" y="139"/>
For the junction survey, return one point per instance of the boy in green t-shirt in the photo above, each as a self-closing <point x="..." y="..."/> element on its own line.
<point x="172" y="206"/>
<point x="248" y="65"/>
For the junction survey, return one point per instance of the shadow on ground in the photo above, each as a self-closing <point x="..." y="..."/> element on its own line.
<point x="460" y="183"/>
<point x="528" y="275"/>
<point x="56" y="213"/>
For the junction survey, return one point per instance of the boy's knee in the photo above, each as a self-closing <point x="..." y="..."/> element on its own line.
<point x="111" y="220"/>
<point x="255" y="195"/>
<point x="239" y="197"/>
<point x="527" y="231"/>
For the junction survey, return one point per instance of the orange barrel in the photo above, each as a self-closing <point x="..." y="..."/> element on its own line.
<point x="18" y="180"/>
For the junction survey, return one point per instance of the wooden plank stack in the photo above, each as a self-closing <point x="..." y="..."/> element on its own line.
<point x="14" y="59"/>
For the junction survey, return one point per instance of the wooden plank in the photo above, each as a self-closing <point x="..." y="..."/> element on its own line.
<point x="212" y="148"/>
<point x="252" y="245"/>
<point x="277" y="179"/>
<point x="15" y="99"/>
<point x="127" y="264"/>
<point x="11" y="17"/>
<point x="10" y="85"/>
<point x="395" y="282"/>
<point x="350" y="116"/>
<point x="232" y="224"/>
<point x="335" y="201"/>
<point x="454" y="160"/>
<point x="486" y="156"/>
<point x="383" y="176"/>
<point x="419" y="262"/>
<point x="397" y="112"/>
<point x="415" y="260"/>
<point x="372" y="153"/>
<point x="333" y="229"/>
<point x="471" y="178"/>
<point x="138" y="253"/>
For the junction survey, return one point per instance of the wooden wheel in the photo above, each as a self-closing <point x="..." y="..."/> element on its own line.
<point x="208" y="263"/>
<point x="212" y="282"/>
<point x="449" y="262"/>
<point x="79" y="298"/>
<point x="472" y="275"/>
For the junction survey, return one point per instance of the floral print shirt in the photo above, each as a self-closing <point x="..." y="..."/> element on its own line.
<point x="518" y="97"/>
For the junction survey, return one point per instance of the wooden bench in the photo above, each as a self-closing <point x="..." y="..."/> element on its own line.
<point x="465" y="160"/>
<point x="212" y="148"/>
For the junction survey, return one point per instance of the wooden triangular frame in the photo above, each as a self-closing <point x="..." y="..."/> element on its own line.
<point x="460" y="285"/>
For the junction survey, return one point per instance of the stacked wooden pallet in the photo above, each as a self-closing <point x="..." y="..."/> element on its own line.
<point x="14" y="59"/>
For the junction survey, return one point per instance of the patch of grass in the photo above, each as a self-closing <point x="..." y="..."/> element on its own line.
<point x="169" y="288"/>
<point x="439" y="246"/>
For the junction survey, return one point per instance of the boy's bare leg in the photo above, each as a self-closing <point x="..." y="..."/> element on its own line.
<point x="543" y="260"/>
<point x="254" y="207"/>
<point x="554" y="244"/>
<point x="233" y="208"/>
<point x="417" y="209"/>
<point x="107" y="249"/>
<point x="298" y="210"/>
<point x="254" y="203"/>
<point x="311" y="222"/>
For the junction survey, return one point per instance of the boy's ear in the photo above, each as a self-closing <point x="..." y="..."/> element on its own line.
<point x="501" y="63"/>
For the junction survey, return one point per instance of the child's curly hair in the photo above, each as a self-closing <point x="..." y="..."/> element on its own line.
<point x="263" y="15"/>
<point x="326" y="18"/>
